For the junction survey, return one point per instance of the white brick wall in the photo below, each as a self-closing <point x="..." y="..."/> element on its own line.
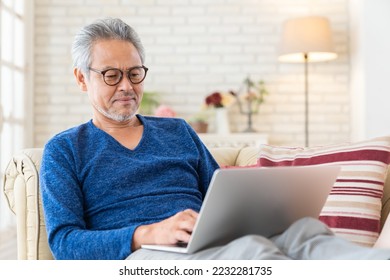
<point x="193" y="48"/>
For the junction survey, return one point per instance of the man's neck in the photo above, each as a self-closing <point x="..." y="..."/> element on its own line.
<point x="111" y="126"/>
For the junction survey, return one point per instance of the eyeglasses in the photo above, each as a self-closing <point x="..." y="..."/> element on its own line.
<point x="114" y="76"/>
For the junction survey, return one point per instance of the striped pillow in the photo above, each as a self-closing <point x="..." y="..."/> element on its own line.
<point x="353" y="208"/>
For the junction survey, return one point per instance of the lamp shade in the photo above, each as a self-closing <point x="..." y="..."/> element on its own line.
<point x="310" y="36"/>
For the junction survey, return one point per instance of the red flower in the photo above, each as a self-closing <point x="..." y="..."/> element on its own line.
<point x="214" y="99"/>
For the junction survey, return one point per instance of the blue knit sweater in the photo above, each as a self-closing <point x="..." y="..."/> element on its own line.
<point x="96" y="192"/>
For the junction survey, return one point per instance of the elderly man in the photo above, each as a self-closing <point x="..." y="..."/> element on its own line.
<point x="122" y="179"/>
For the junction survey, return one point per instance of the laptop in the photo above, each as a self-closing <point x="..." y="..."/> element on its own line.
<point x="261" y="201"/>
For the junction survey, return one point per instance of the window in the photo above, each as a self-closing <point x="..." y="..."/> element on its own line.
<point x="14" y="81"/>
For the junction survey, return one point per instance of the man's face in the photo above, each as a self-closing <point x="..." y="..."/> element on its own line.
<point x="120" y="102"/>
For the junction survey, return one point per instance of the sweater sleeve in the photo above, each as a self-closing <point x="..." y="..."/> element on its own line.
<point x="68" y="235"/>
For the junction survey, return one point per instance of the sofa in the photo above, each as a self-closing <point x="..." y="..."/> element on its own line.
<point x="21" y="189"/>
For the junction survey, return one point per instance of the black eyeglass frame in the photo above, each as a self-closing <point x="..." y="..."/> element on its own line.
<point x="103" y="72"/>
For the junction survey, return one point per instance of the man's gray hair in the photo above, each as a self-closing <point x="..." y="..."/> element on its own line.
<point x="102" y="29"/>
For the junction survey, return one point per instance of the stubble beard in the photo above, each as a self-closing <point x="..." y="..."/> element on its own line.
<point x="115" y="116"/>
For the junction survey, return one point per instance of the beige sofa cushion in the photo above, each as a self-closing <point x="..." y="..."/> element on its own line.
<point x="235" y="156"/>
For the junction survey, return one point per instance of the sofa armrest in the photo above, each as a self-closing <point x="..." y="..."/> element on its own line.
<point x="225" y="156"/>
<point x="247" y="156"/>
<point x="386" y="199"/>
<point x="21" y="189"/>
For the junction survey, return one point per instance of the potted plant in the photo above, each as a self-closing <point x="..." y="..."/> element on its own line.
<point x="150" y="101"/>
<point x="199" y="122"/>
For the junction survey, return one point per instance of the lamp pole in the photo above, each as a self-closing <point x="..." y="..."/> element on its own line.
<point x="306" y="60"/>
<point x="303" y="37"/>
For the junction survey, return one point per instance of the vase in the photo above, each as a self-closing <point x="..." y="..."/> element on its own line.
<point x="222" y="121"/>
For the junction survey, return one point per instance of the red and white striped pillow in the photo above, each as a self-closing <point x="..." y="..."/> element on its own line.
<point x="353" y="208"/>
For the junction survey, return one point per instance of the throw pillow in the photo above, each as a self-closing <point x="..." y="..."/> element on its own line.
<point x="353" y="208"/>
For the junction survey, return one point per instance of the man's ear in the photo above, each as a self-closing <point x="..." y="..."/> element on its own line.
<point x="80" y="79"/>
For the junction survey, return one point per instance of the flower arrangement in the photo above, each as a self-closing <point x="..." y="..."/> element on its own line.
<point x="214" y="100"/>
<point x="219" y="100"/>
<point x="252" y="94"/>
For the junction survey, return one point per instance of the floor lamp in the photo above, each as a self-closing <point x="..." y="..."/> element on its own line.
<point x="305" y="40"/>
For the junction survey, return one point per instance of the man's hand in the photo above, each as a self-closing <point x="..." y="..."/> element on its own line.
<point x="177" y="228"/>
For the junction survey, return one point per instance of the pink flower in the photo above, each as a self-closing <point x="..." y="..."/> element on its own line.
<point x="164" y="111"/>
